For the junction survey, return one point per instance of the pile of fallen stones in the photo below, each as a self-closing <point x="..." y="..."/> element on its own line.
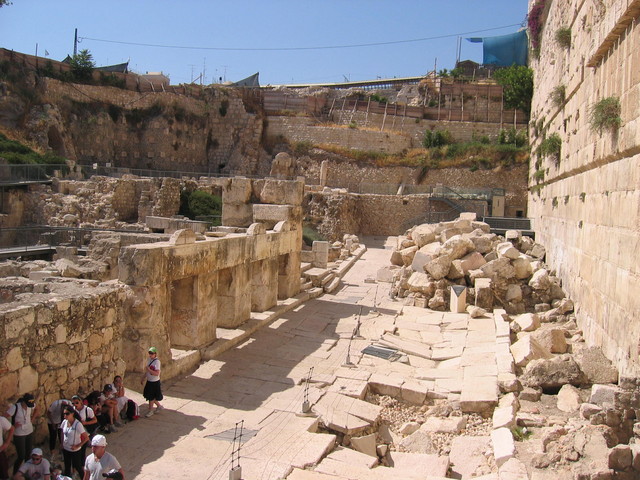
<point x="505" y="272"/>
<point x="582" y="416"/>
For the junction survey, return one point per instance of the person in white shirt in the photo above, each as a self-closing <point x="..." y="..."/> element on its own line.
<point x="100" y="462"/>
<point x="152" y="389"/>
<point x="5" y="427"/>
<point x="36" y="468"/>
<point x="54" y="419"/>
<point x="74" y="436"/>
<point x="22" y="413"/>
<point x="120" y="393"/>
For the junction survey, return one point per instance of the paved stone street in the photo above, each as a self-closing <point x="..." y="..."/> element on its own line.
<point x="261" y="382"/>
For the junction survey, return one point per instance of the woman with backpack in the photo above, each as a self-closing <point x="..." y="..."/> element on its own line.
<point x="74" y="436"/>
<point x="22" y="414"/>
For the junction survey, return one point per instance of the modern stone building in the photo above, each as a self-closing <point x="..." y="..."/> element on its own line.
<point x="585" y="196"/>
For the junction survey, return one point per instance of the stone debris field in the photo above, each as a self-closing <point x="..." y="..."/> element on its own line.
<point x="442" y="395"/>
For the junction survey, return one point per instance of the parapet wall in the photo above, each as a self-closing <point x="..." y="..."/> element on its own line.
<point x="375" y="132"/>
<point x="585" y="209"/>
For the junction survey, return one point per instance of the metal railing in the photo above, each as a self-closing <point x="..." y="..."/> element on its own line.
<point x="30" y="173"/>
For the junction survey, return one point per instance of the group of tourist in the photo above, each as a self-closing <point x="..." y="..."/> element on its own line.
<point x="75" y="424"/>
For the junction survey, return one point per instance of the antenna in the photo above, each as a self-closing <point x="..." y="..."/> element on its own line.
<point x="75" y="43"/>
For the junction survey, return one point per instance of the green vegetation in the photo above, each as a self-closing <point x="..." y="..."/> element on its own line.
<point x="539" y="175"/>
<point x="512" y="136"/>
<point x="16" y="153"/>
<point x="605" y="115"/>
<point x="557" y="96"/>
<point x="82" y="65"/>
<point x="200" y="205"/>
<point x="520" y="434"/>
<point x="138" y="116"/>
<point x="437" y="138"/>
<point x="378" y="98"/>
<point x="583" y="195"/>
<point x="309" y="235"/>
<point x="517" y="82"/>
<point x="563" y="37"/>
<point x="551" y="147"/>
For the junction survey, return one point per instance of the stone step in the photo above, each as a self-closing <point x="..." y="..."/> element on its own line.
<point x="305" y="285"/>
<point x="315" y="275"/>
<point x="327" y="279"/>
<point x="304" y="266"/>
<point x="332" y="286"/>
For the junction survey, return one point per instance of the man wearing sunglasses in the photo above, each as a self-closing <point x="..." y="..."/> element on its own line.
<point x="36" y="468"/>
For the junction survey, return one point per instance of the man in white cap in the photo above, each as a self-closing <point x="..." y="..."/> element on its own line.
<point x="100" y="460"/>
<point x="36" y="468"/>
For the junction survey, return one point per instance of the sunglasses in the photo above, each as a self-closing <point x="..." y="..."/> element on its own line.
<point x="68" y="413"/>
<point x="152" y="353"/>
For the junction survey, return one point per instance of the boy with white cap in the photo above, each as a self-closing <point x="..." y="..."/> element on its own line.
<point x="36" y="468"/>
<point x="100" y="460"/>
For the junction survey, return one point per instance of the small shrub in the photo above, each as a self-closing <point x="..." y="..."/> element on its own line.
<point x="309" y="235"/>
<point x="551" y="147"/>
<point x="302" y="148"/>
<point x="554" y="202"/>
<point x="605" y="114"/>
<point x="558" y="95"/>
<point x="437" y="138"/>
<point x="563" y="37"/>
<point x="566" y="199"/>
<point x="520" y="434"/>
<point x="353" y="125"/>
<point x="378" y="98"/>
<point x="539" y="175"/>
<point x="582" y="197"/>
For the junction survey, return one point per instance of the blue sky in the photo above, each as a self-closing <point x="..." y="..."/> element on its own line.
<point x="258" y="27"/>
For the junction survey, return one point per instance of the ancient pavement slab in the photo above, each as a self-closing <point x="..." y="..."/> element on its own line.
<point x="351" y="457"/>
<point x="468" y="457"/>
<point x="436" y="465"/>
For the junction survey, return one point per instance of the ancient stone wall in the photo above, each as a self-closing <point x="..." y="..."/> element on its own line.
<point x="585" y="201"/>
<point x="374" y="133"/>
<point x="61" y="345"/>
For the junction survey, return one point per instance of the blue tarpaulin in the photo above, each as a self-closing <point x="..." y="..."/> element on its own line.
<point x="504" y="50"/>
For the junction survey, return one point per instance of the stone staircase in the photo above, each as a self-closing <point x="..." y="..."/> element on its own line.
<point x="319" y="277"/>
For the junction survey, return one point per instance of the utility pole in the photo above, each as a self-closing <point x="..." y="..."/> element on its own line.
<point x="204" y="70"/>
<point x="75" y="43"/>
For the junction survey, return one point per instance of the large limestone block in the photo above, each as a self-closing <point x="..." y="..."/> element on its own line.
<point x="282" y="192"/>
<point x="522" y="266"/>
<point x="506" y="249"/>
<point x="396" y="258"/>
<point x="424" y="255"/>
<point x="455" y="271"/>
<point x="468" y="457"/>
<point x="537" y="251"/>
<point x="595" y="365"/>
<point x="439" y="267"/>
<point x="472" y="261"/>
<point x="407" y="255"/>
<point x="483" y="244"/>
<point x="366" y="445"/>
<point x="527" y="322"/>
<point x="503" y="445"/>
<point x="457" y="247"/>
<point x="420" y="282"/>
<point x="603" y="394"/>
<point x="527" y="349"/>
<point x="444" y="425"/>
<point x="553" y="372"/>
<point x="272" y="214"/>
<point x="512" y="469"/>
<point x="237" y="191"/>
<point x="500" y="267"/>
<point x="514" y="293"/>
<point x="423" y="234"/>
<point x="552" y="339"/>
<point x="540" y="280"/>
<point x="568" y="399"/>
<point x="484" y="294"/>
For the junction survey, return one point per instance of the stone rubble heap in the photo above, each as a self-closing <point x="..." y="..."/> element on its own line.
<point x="505" y="271"/>
<point x="584" y="419"/>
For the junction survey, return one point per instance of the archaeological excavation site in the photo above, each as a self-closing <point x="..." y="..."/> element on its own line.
<point x="410" y="278"/>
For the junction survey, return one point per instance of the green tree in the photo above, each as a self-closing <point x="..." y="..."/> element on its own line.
<point x="517" y="82"/>
<point x="82" y="65"/>
<point x="4" y="2"/>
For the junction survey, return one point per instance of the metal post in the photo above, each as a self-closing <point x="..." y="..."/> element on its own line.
<point x="236" y="470"/>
